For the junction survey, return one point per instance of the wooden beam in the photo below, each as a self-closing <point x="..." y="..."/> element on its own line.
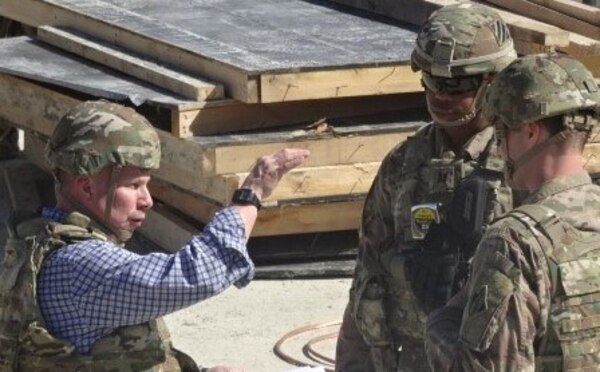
<point x="586" y="50"/>
<point x="343" y="150"/>
<point x="139" y="67"/>
<point x="166" y="229"/>
<point x="223" y="116"/>
<point x="550" y="16"/>
<point x="416" y="12"/>
<point x="290" y="218"/>
<point x="342" y="83"/>
<point x="300" y="183"/>
<point x="586" y="13"/>
<point x="32" y="106"/>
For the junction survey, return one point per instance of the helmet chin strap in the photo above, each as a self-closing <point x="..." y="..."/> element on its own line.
<point x="469" y="116"/>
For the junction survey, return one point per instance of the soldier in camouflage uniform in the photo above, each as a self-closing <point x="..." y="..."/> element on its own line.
<point x="533" y="299"/>
<point x="432" y="198"/>
<point x="71" y="297"/>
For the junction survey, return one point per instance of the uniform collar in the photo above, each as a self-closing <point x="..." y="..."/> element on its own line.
<point x="558" y="185"/>
<point x="473" y="149"/>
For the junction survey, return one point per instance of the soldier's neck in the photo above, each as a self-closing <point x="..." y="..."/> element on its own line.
<point x="546" y="168"/>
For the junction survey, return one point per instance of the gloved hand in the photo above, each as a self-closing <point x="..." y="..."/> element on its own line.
<point x="432" y="278"/>
<point x="432" y="269"/>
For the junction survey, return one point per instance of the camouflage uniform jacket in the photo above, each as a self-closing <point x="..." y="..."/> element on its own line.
<point x="533" y="301"/>
<point x="25" y="343"/>
<point x="423" y="169"/>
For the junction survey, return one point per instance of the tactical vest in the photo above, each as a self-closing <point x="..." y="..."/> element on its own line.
<point x="425" y="179"/>
<point x="572" y="338"/>
<point x="431" y="180"/>
<point x="26" y="344"/>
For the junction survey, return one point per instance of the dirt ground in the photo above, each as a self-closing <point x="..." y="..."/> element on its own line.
<point x="240" y="327"/>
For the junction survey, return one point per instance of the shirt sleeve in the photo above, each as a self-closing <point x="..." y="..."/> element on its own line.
<point x="506" y="299"/>
<point x="111" y="286"/>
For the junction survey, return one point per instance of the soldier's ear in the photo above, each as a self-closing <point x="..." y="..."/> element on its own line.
<point x="535" y="131"/>
<point x="83" y="187"/>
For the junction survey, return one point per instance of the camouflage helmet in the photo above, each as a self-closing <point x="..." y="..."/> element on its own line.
<point x="463" y="39"/>
<point x="540" y="86"/>
<point x="96" y="134"/>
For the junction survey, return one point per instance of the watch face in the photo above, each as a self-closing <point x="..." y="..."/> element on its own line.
<point x="246" y="196"/>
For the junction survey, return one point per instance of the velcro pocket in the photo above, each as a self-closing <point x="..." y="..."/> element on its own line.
<point x="488" y="299"/>
<point x="580" y="277"/>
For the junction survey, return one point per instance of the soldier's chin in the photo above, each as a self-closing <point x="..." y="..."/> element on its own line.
<point x="445" y="116"/>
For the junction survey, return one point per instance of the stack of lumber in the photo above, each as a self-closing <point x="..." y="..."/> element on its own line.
<point x="536" y="25"/>
<point x="224" y="83"/>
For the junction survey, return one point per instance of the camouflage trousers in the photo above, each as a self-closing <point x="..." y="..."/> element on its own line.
<point x="354" y="355"/>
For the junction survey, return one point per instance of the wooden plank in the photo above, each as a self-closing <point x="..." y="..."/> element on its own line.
<point x="342" y="83"/>
<point x="218" y="117"/>
<point x="53" y="13"/>
<point x="300" y="183"/>
<point x="550" y="16"/>
<point x="343" y="150"/>
<point x="37" y="61"/>
<point x="354" y="179"/>
<point x="586" y="50"/>
<point x="200" y="51"/>
<point x="293" y="218"/>
<point x="584" y="12"/>
<point x="34" y="146"/>
<point x="326" y="245"/>
<point x="31" y="106"/>
<point x="166" y="229"/>
<point x="141" y="68"/>
<point x="306" y="270"/>
<point x="416" y="12"/>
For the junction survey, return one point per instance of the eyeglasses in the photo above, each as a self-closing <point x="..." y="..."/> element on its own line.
<point x="457" y="85"/>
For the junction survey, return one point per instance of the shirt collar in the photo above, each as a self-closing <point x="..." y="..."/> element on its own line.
<point x="558" y="185"/>
<point x="54" y="214"/>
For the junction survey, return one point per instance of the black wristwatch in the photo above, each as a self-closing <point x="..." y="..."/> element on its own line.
<point x="246" y="197"/>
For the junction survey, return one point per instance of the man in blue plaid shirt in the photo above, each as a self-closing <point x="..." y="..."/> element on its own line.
<point x="72" y="297"/>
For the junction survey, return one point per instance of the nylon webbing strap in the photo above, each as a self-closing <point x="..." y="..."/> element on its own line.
<point x="542" y="221"/>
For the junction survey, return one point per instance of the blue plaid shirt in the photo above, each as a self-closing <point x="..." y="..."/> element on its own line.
<point x="87" y="289"/>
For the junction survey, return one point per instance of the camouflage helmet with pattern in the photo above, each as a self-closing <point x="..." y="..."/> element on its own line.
<point x="540" y="86"/>
<point x="463" y="39"/>
<point x="97" y="134"/>
<point x="460" y="41"/>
